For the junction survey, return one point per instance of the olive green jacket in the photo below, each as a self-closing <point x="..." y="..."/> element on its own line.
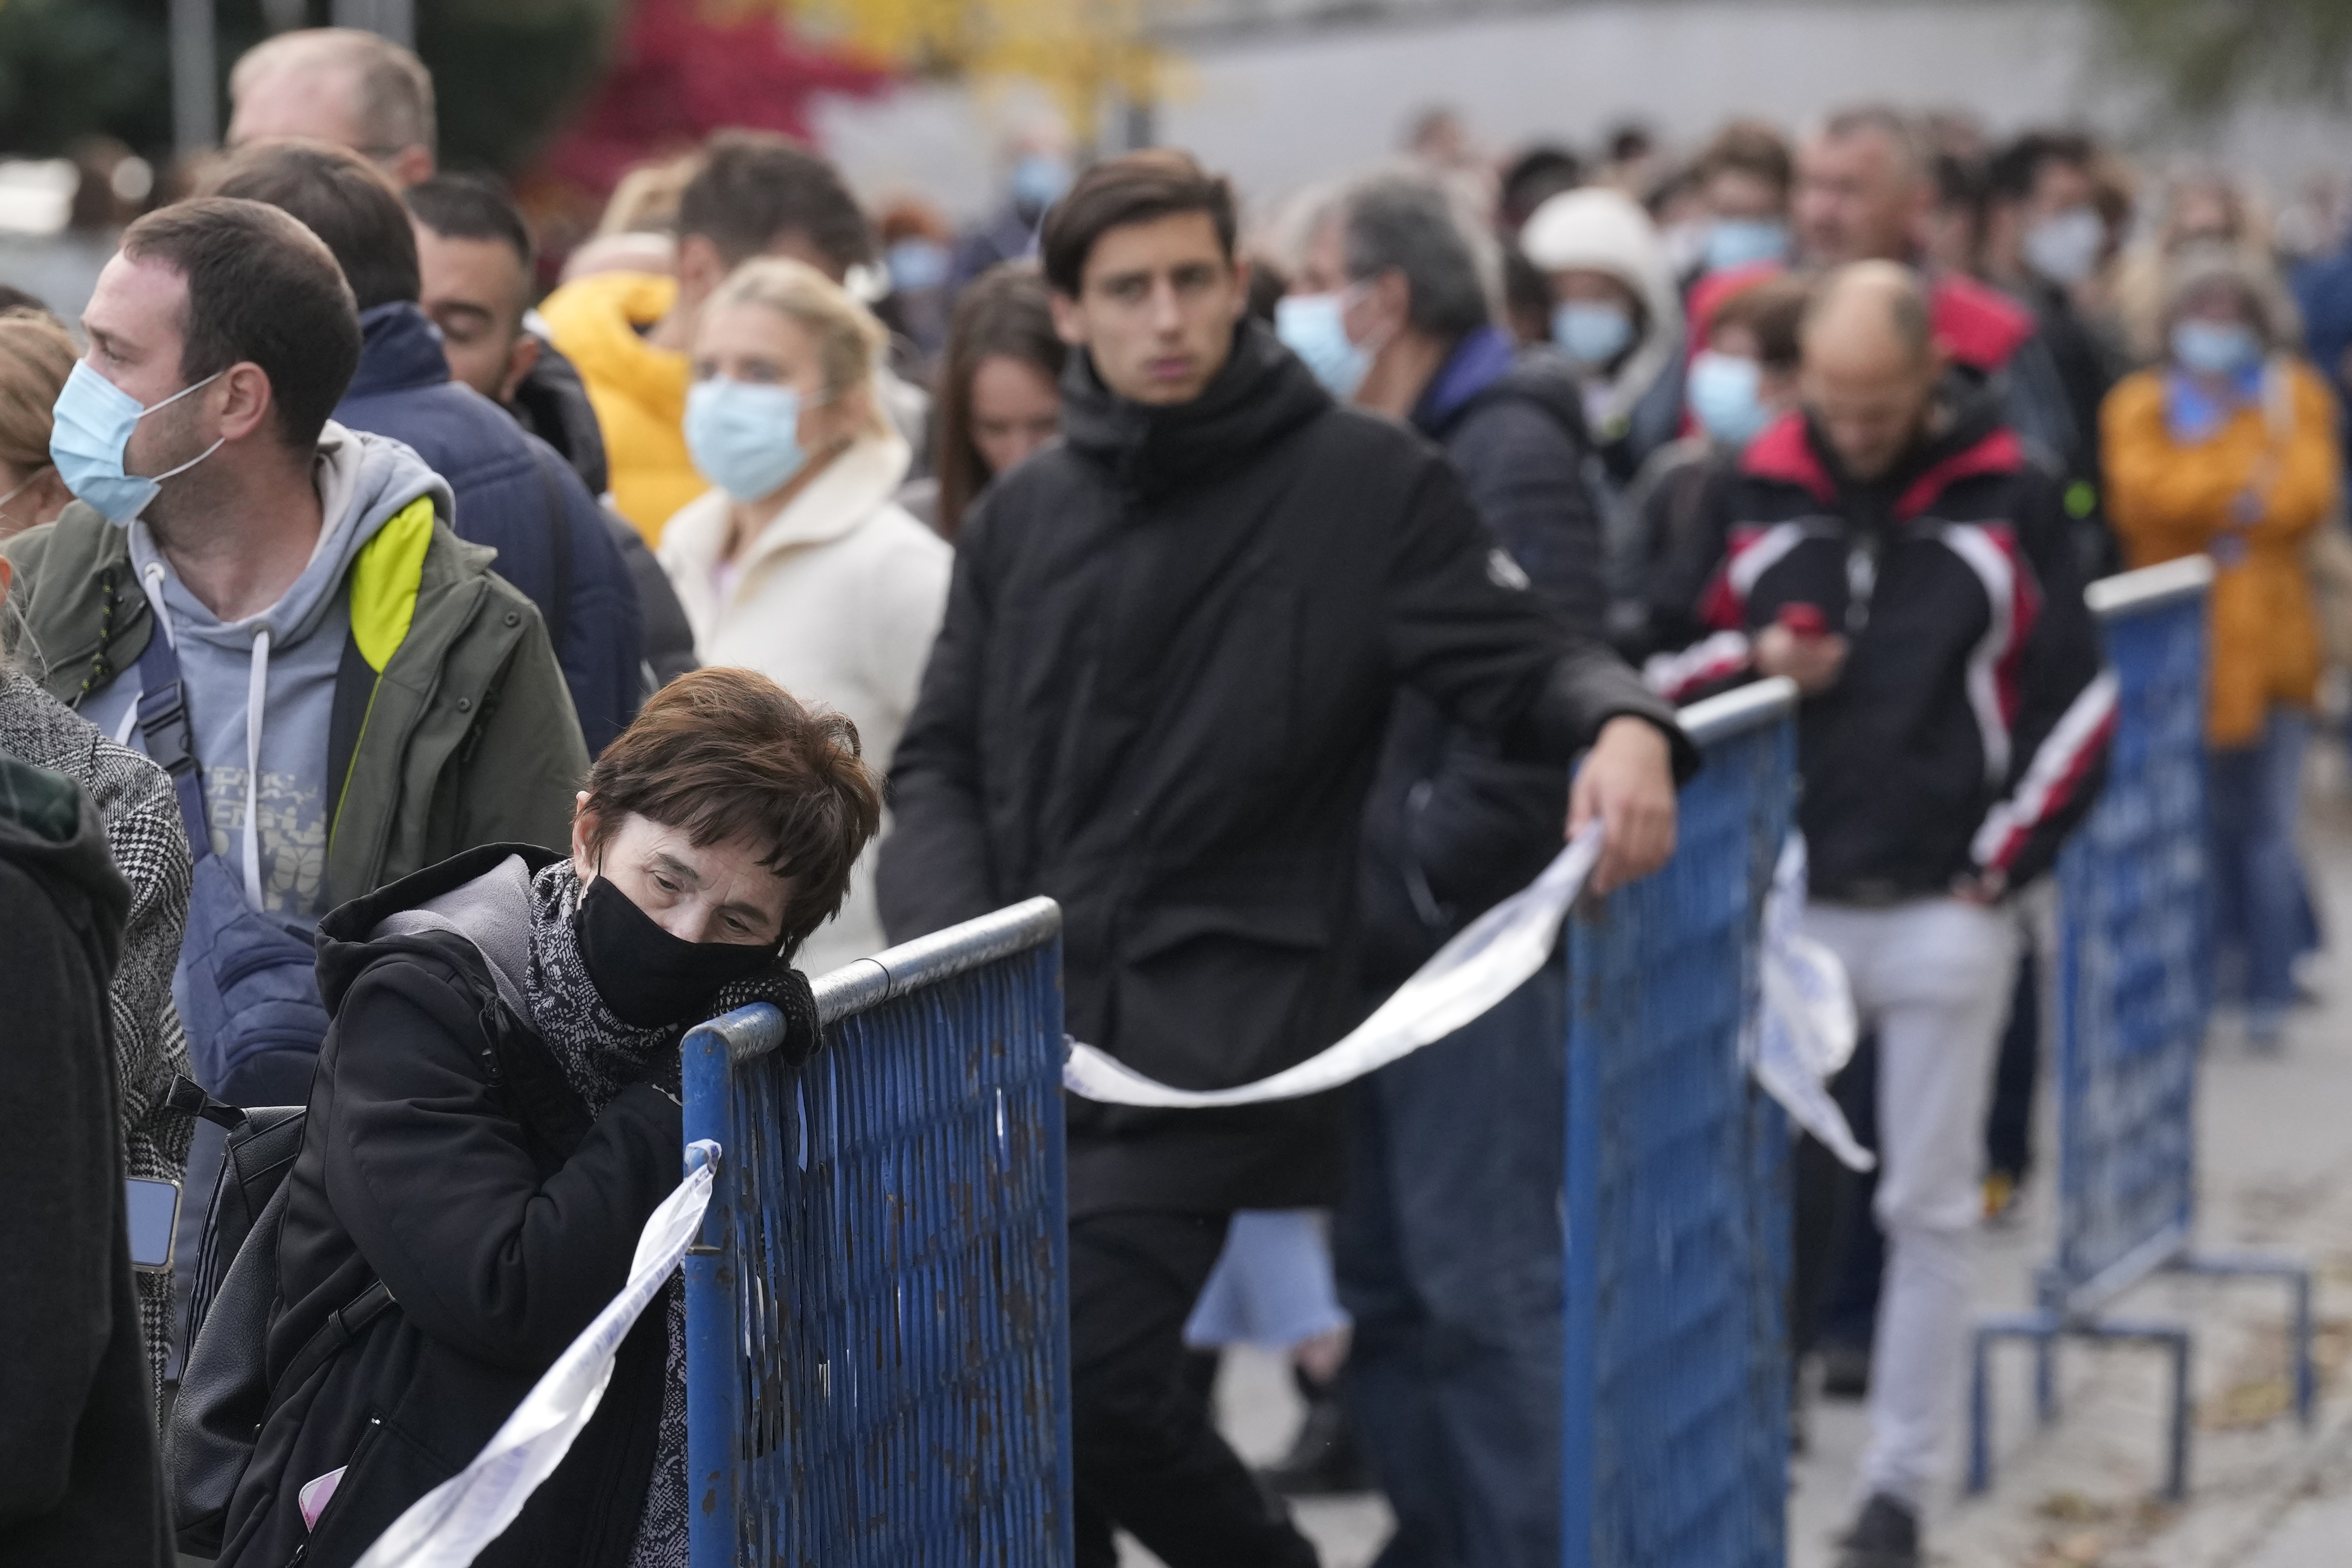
<point x="463" y="735"/>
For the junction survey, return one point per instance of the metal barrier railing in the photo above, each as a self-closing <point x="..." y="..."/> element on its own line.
<point x="2132" y="995"/>
<point x="877" y="1319"/>
<point x="1676" y="1436"/>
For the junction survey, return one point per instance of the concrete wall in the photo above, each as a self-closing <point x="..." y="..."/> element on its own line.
<point x="1287" y="108"/>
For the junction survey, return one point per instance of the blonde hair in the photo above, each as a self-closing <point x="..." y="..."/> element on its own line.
<point x="850" y="342"/>
<point x="36" y="357"/>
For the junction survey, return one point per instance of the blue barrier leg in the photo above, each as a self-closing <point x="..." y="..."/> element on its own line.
<point x="713" y="1381"/>
<point x="2176" y="1483"/>
<point x="1979" y="1413"/>
<point x="2306" y="1377"/>
<point x="2045" y="1379"/>
<point x="2302" y="1375"/>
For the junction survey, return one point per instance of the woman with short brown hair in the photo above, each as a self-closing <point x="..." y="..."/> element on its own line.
<point x="496" y="1113"/>
<point x="36" y="357"/>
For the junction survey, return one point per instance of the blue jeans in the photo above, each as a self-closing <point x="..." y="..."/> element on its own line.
<point x="2253" y="801"/>
<point x="1449" y="1253"/>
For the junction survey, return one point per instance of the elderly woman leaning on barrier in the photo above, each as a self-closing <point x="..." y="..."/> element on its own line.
<point x="2228" y="448"/>
<point x="496" y="1114"/>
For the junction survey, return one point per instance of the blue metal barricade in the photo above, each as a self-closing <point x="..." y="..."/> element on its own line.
<point x="877" y="1321"/>
<point x="1677" y="1429"/>
<point x="2133" y="993"/>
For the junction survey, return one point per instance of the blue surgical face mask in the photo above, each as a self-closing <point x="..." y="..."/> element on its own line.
<point x="1038" y="180"/>
<point x="1725" y="393"/>
<point x="1591" y="333"/>
<point x="917" y="264"/>
<point x="1733" y="242"/>
<point x="2214" y="347"/>
<point x="1313" y="327"/>
<point x="92" y="426"/>
<point x="2065" y="248"/>
<point x="744" y="436"/>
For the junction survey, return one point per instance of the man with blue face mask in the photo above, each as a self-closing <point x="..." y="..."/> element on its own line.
<point x="1744" y="176"/>
<point x="274" y="608"/>
<point x="1456" y="1153"/>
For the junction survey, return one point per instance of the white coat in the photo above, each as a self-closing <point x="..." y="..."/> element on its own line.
<point x="836" y="601"/>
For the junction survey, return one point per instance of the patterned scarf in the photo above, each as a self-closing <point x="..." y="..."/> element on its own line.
<point x="601" y="1056"/>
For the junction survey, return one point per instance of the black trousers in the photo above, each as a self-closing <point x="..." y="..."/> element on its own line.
<point x="1145" y="1456"/>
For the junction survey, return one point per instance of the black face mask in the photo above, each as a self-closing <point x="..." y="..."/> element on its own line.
<point x="648" y="977"/>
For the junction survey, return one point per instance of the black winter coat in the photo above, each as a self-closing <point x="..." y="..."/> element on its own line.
<point x="1968" y="732"/>
<point x="515" y="495"/>
<point x="1170" y="650"/>
<point x="1454" y="827"/>
<point x="79" y="1483"/>
<point x="445" y="1155"/>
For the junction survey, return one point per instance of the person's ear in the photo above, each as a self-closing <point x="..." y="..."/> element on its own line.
<point x="1394" y="297"/>
<point x="1241" y="288"/>
<point x="584" y="837"/>
<point x="520" y="360"/>
<point x="7" y="576"/>
<point x="700" y="268"/>
<point x="245" y="400"/>
<point x="412" y="166"/>
<point x="1070" y="318"/>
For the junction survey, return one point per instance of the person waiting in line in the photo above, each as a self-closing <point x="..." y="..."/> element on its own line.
<point x="497" y="1114"/>
<point x="1865" y="545"/>
<point x="799" y="562"/>
<point x="310" y="580"/>
<point x="78" y="1481"/>
<point x="632" y="333"/>
<point x="133" y="800"/>
<point x="1037" y="169"/>
<point x="2229" y="449"/>
<point x="1745" y="173"/>
<point x="1000" y="393"/>
<point x="35" y="356"/>
<point x="474" y="259"/>
<point x="1449" y="1247"/>
<point x="513" y="492"/>
<point x="1616" y="315"/>
<point x="1172" y="644"/>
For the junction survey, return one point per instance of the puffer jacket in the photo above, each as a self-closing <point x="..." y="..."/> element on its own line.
<point x="517" y="496"/>
<point x="637" y="390"/>
<point x="2249" y="493"/>
<point x="446" y="1157"/>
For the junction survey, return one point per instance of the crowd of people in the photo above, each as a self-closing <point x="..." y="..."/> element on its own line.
<point x="426" y="696"/>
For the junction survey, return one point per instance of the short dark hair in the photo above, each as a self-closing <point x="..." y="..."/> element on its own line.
<point x="1139" y="187"/>
<point x="344" y="200"/>
<point x="262" y="288"/>
<point x="1750" y="147"/>
<point x="2017" y="168"/>
<point x="1771" y="308"/>
<point x="466" y="206"/>
<point x="725" y="754"/>
<point x="756" y="187"/>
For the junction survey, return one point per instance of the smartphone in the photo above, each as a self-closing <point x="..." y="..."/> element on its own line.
<point x="155" y="1209"/>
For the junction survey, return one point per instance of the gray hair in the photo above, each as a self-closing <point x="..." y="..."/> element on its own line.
<point x="395" y="106"/>
<point x="1410" y="224"/>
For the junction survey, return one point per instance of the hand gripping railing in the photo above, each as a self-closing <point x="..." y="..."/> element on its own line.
<point x="1676" y="1386"/>
<point x="877" y="1323"/>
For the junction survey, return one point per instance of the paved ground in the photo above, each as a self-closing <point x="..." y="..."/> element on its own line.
<point x="2276" y="1175"/>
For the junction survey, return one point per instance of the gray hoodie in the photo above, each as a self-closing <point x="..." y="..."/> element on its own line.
<point x="288" y="655"/>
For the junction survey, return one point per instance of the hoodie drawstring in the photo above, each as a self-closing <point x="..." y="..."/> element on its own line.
<point x="257" y="692"/>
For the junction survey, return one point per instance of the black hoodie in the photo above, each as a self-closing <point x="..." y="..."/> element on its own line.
<point x="1170" y="649"/>
<point x="78" y="1482"/>
<point x="1968" y="732"/>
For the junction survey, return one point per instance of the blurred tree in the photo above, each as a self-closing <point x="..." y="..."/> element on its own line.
<point x="1082" y="51"/>
<point x="2210" y="54"/>
<point x="507" y="72"/>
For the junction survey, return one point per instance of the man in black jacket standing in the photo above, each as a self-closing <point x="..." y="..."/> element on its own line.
<point x="1450" y="1233"/>
<point x="1892" y="550"/>
<point x="1168" y="657"/>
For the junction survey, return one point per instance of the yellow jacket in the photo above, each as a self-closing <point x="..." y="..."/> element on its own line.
<point x="637" y="390"/>
<point x="2274" y="459"/>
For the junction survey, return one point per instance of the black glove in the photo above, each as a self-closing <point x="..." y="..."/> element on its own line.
<point x="788" y="989"/>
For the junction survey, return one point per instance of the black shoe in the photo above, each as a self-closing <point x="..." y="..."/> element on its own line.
<point x="1886" y="1535"/>
<point x="1325" y="1460"/>
<point x="1845" y="1369"/>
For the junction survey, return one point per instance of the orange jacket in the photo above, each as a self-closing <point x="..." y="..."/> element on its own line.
<point x="637" y="390"/>
<point x="2276" y="458"/>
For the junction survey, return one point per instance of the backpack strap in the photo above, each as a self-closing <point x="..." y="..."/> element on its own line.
<point x="170" y="740"/>
<point x="342" y="1326"/>
<point x="189" y="1098"/>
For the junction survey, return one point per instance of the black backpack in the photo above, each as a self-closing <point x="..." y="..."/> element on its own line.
<point x="225" y="1394"/>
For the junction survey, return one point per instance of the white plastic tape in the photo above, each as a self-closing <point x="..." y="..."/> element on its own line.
<point x="1494" y="957"/>
<point x="449" y="1525"/>
<point x="1805" y="1031"/>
